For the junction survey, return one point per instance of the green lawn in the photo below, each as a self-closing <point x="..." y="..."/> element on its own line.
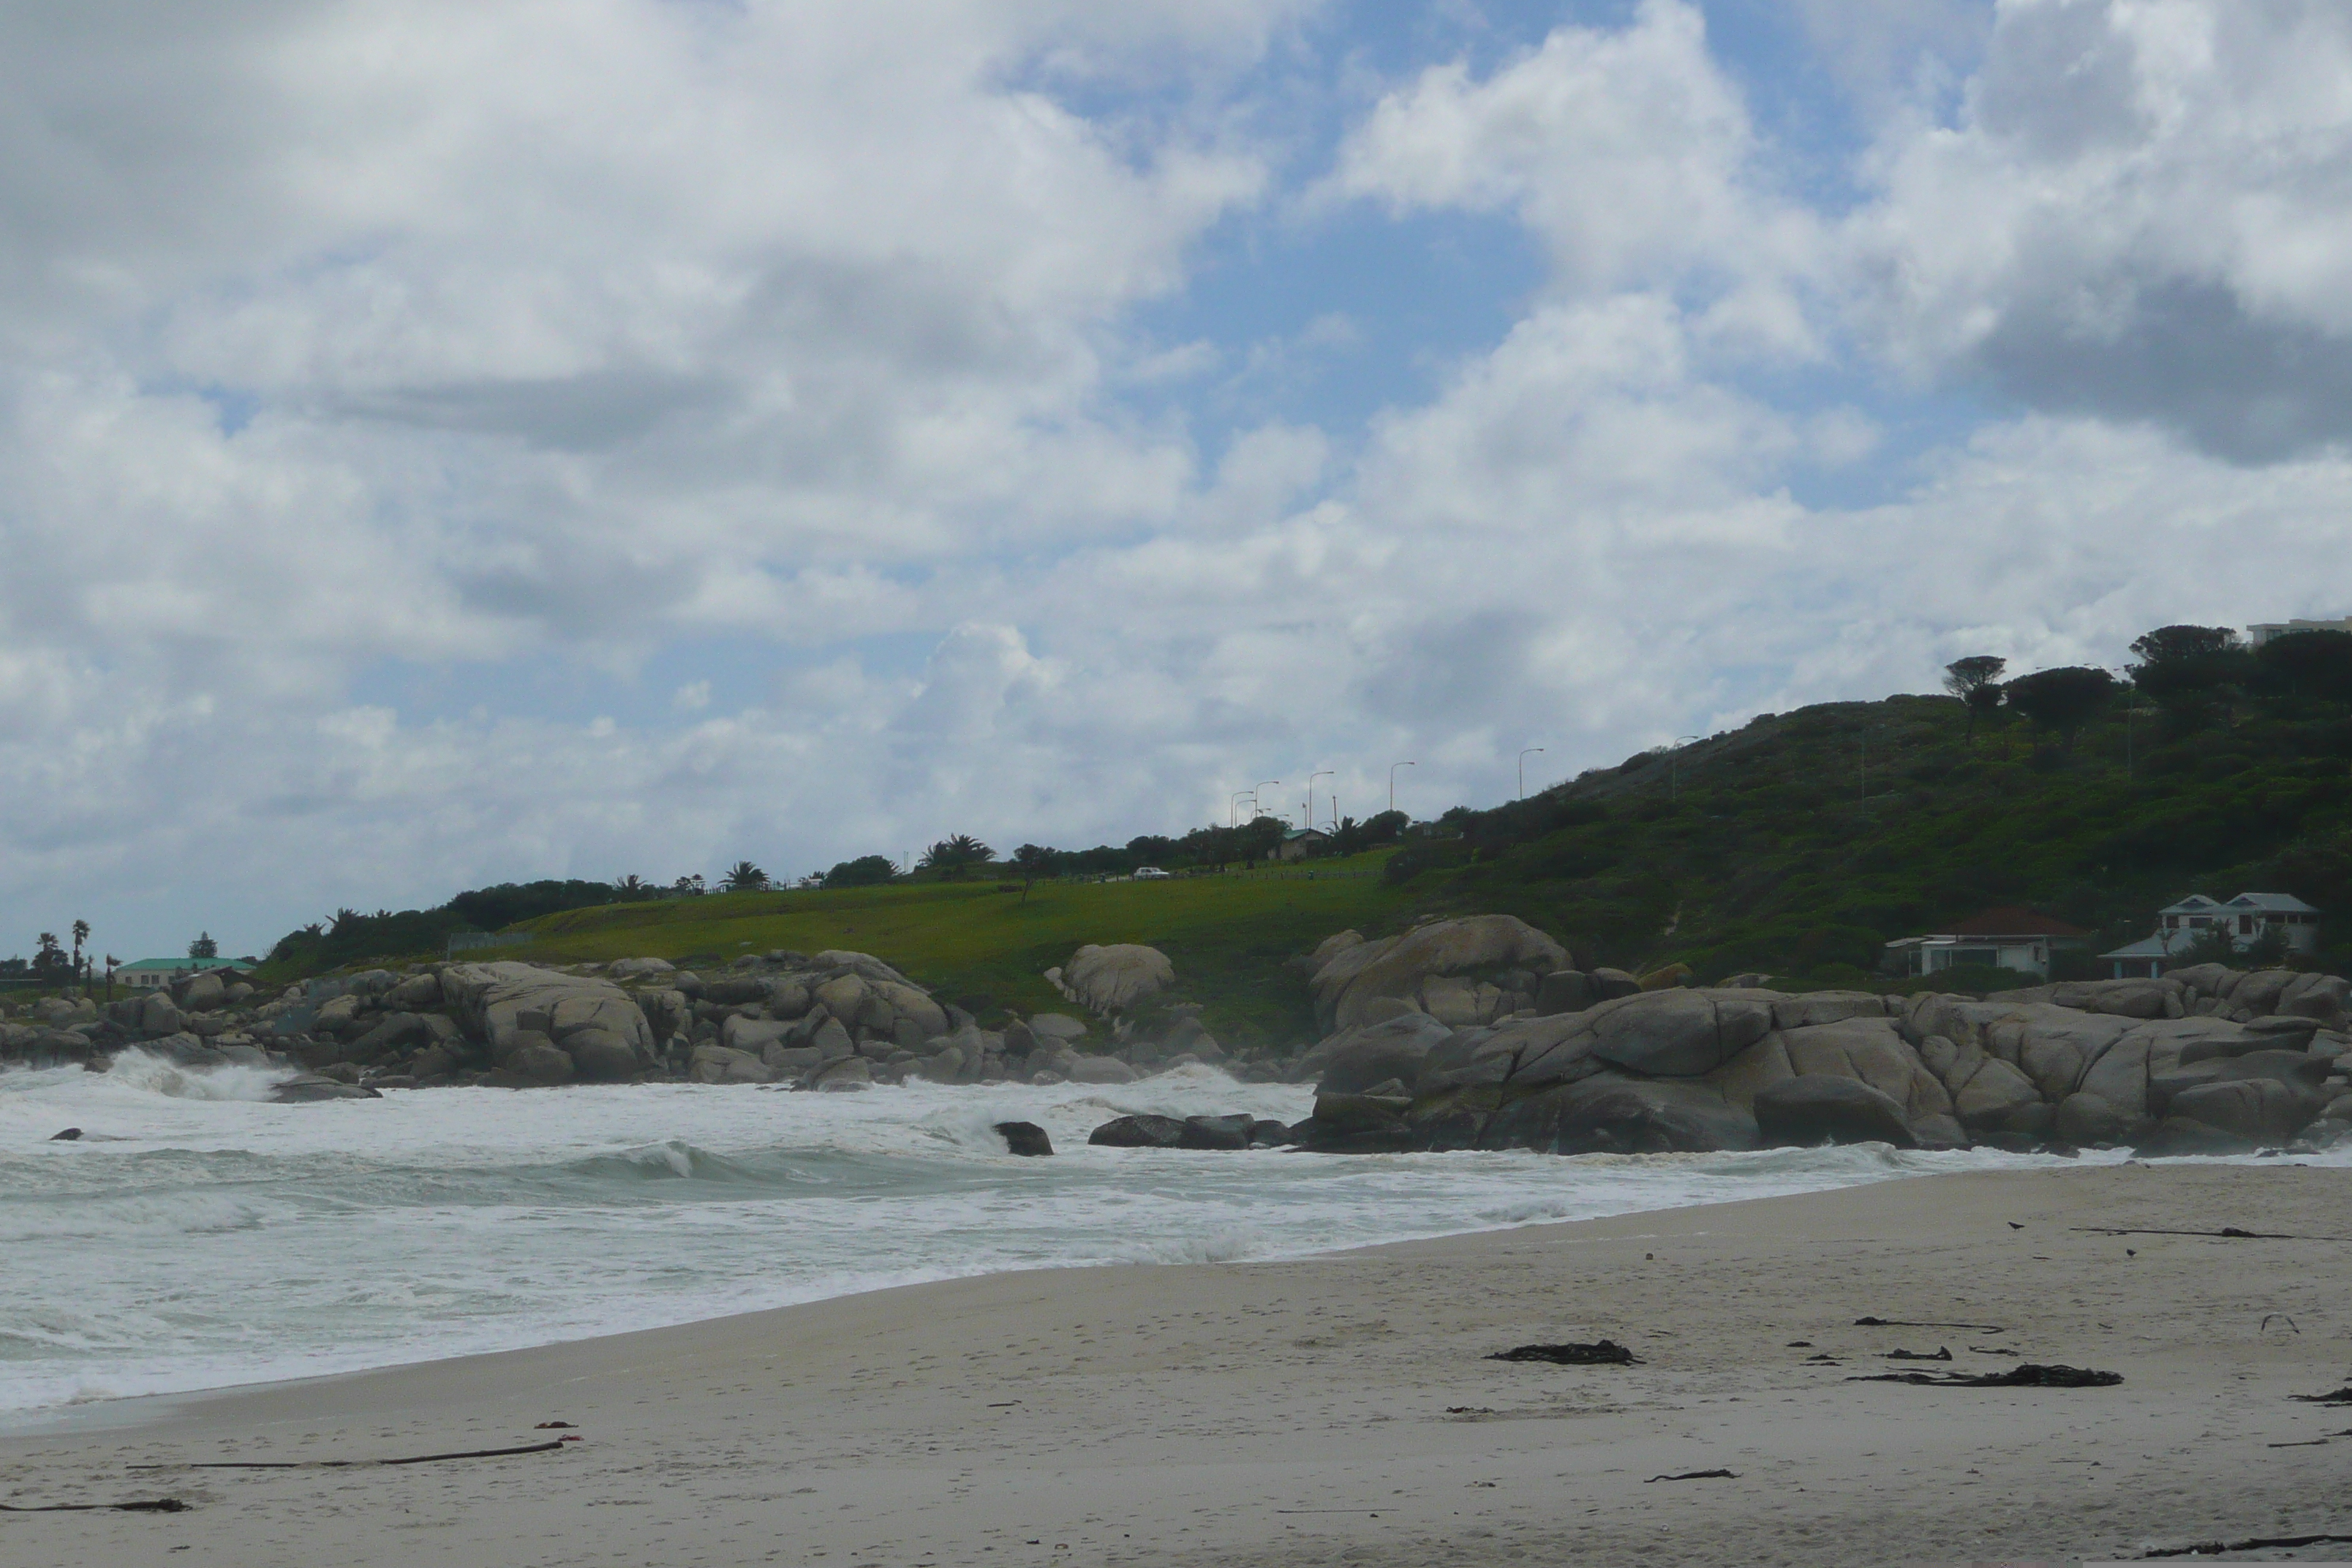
<point x="987" y="950"/>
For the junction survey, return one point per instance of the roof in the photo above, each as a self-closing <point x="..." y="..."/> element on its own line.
<point x="184" y="965"/>
<point x="2285" y="903"/>
<point x="2010" y="920"/>
<point x="1305" y="833"/>
<point x="2194" y="904"/>
<point x="2145" y="947"/>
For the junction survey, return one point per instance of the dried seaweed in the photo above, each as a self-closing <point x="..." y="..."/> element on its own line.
<point x="1607" y="1352"/>
<point x="2028" y="1377"/>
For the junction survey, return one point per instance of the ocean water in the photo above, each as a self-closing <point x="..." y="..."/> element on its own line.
<point x="198" y="1236"/>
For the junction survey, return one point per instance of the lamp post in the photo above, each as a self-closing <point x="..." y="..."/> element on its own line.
<point x="1674" y="767"/>
<point x="1257" y="808"/>
<point x="1317" y="773"/>
<point x="1234" y="806"/>
<point x="1392" y="768"/>
<point x="1531" y="751"/>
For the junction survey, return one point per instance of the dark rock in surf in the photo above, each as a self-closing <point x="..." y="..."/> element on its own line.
<point x="71" y="1135"/>
<point x="1217" y="1131"/>
<point x="1139" y="1133"/>
<point x="307" y="1091"/>
<point x="1024" y="1138"/>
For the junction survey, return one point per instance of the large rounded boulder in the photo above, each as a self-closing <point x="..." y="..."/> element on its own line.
<point x="1427" y="966"/>
<point x="1816" y="1108"/>
<point x="1114" y="978"/>
<point x="596" y="1025"/>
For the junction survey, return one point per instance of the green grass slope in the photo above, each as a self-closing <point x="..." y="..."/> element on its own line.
<point x="988" y="950"/>
<point x="1800" y="843"/>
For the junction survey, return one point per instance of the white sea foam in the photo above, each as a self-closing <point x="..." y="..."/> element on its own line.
<point x="198" y="1236"/>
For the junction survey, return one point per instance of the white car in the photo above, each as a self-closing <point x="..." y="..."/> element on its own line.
<point x="1149" y="874"/>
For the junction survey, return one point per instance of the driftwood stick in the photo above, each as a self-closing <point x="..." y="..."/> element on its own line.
<point x="352" y="1464"/>
<point x="158" y="1505"/>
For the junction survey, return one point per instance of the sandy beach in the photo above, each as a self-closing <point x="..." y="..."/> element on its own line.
<point x="1341" y="1409"/>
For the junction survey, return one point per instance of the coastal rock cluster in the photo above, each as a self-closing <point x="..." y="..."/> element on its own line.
<point x="2206" y="1059"/>
<point x="1458" y="1034"/>
<point x="833" y="1020"/>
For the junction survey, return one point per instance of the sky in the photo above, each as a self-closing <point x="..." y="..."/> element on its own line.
<point x="446" y="442"/>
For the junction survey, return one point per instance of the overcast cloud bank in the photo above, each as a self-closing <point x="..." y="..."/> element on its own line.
<point x="451" y="443"/>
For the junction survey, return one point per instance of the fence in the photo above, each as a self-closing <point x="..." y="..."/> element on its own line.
<point x="467" y="940"/>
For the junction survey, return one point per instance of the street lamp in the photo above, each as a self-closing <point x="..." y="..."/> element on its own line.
<point x="1258" y="807"/>
<point x="1674" y="767"/>
<point x="1531" y="751"/>
<point x="1317" y="773"/>
<point x="1392" y="768"/>
<point x="1232" y="808"/>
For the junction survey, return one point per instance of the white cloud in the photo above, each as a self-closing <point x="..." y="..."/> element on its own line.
<point x="2142" y="212"/>
<point x="520" y="343"/>
<point x="1627" y="150"/>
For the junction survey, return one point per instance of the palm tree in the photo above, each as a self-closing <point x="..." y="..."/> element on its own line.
<point x="745" y="877"/>
<point x="632" y="887"/>
<point x="952" y="855"/>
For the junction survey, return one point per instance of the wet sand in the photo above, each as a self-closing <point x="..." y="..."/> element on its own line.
<point x="1340" y="1409"/>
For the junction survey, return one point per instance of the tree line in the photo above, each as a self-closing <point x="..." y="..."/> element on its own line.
<point x="2193" y="678"/>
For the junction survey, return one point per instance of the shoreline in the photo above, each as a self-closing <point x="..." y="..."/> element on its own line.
<point x="112" y="1412"/>
<point x="1217" y="1413"/>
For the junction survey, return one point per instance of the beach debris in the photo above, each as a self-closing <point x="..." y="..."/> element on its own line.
<point x="1943" y="1352"/>
<point x="1469" y="1410"/>
<point x="71" y="1135"/>
<point x="1606" y="1353"/>
<point x="1907" y="1323"/>
<point x="2032" y="1374"/>
<point x="552" y="1427"/>
<point x="1697" y="1476"/>
<point x="2307" y="1442"/>
<point x="2340" y="1396"/>
<point x="1988" y="1349"/>
<point x="1800" y="1344"/>
<point x="154" y="1505"/>
<point x="1025" y="1139"/>
<point x="2265" y="1326"/>
<point x="2015" y="1226"/>
<point x="355" y="1464"/>
<point x="2257" y="1543"/>
<point x="2227" y="1233"/>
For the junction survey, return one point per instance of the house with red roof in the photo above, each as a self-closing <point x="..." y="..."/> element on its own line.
<point x="2008" y="938"/>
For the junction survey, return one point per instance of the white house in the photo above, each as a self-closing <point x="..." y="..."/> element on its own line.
<point x="2246" y="920"/>
<point x="2257" y="635"/>
<point x="1997" y="939"/>
<point x="155" y="974"/>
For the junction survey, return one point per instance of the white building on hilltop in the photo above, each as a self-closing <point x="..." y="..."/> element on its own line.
<point x="2257" y="635"/>
<point x="2246" y="920"/>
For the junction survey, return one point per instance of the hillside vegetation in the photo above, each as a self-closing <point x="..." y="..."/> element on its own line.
<point x="1796" y="846"/>
<point x="1800" y="844"/>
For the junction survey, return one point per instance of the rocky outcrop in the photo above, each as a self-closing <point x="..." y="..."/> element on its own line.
<point x="1460" y="971"/>
<point x="512" y="1008"/>
<point x="1823" y="1107"/>
<point x="1727" y="1067"/>
<point x="1114" y="978"/>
